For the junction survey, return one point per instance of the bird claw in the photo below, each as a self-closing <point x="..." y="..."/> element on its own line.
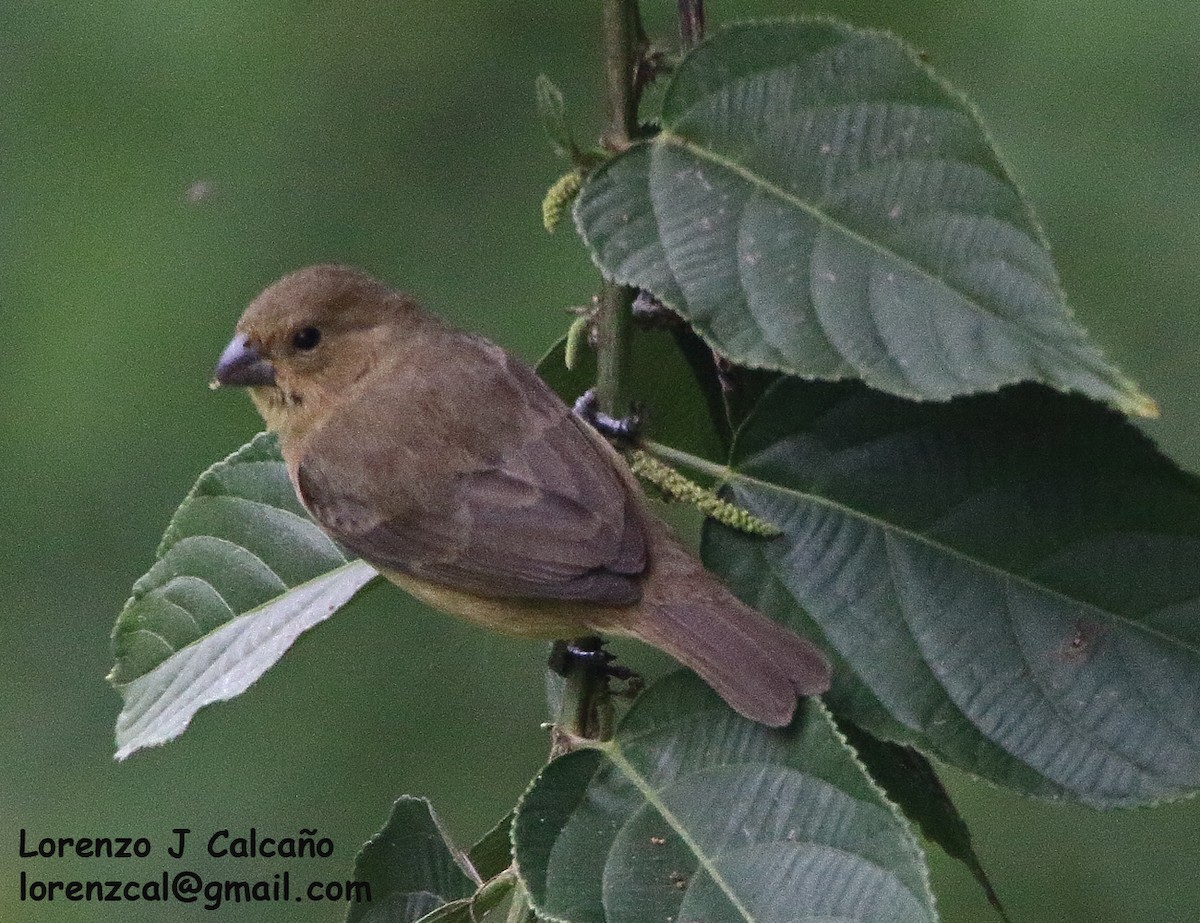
<point x="589" y="653"/>
<point x="625" y="429"/>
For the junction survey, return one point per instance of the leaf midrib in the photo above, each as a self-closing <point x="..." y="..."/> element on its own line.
<point x="666" y="136"/>
<point x="729" y="474"/>
<point x="733" y="474"/>
<point x="612" y="751"/>
<point x="256" y="611"/>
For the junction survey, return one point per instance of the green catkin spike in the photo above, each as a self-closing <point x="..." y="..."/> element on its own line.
<point x="558" y="197"/>
<point x="674" y="484"/>
<point x="577" y="336"/>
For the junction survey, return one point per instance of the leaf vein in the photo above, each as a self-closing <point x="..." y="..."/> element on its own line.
<point x="739" y="476"/>
<point x="666" y="137"/>
<point x="613" y="752"/>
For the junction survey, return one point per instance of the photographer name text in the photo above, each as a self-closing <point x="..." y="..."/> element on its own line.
<point x="221" y="844"/>
<point x="170" y="876"/>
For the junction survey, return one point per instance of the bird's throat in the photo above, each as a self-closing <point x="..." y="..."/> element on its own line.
<point x="278" y="408"/>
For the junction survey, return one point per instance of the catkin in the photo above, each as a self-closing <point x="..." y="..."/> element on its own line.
<point x="676" y="485"/>
<point x="559" y="197"/>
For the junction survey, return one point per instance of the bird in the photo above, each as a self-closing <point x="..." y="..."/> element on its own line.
<point x="449" y="466"/>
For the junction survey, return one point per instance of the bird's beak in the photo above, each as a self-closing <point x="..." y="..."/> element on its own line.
<point x="241" y="366"/>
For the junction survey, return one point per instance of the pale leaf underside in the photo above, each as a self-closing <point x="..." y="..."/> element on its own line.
<point x="241" y="573"/>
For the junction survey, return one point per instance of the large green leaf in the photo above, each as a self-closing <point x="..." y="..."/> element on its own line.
<point x="412" y="868"/>
<point x="820" y="203"/>
<point x="1011" y="582"/>
<point x="241" y="572"/>
<point x="693" y="813"/>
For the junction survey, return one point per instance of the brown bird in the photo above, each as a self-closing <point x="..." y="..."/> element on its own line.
<point x="454" y="470"/>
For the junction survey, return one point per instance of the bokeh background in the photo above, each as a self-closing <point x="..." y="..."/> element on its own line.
<point x="161" y="160"/>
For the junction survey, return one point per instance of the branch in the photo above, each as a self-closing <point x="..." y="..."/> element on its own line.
<point x="622" y="38"/>
<point x="691" y="23"/>
<point x="586" y="711"/>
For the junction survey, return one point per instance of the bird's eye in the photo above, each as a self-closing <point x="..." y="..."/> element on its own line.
<point x="306" y="338"/>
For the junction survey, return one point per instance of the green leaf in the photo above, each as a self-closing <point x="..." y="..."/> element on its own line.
<point x="412" y="868"/>
<point x="1011" y="582"/>
<point x="819" y="202"/>
<point x="476" y="908"/>
<point x="241" y="572"/>
<point x="912" y="783"/>
<point x="693" y="813"/>
<point x="493" y="853"/>
<point x="552" y="110"/>
<point x="458" y="911"/>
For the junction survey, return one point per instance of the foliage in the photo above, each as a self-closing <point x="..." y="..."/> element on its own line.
<point x="1003" y="571"/>
<point x="818" y="202"/>
<point x="241" y="573"/>
<point x="1009" y="579"/>
<point x="691" y="812"/>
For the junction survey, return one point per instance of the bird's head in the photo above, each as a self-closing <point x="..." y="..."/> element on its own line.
<point x="309" y="338"/>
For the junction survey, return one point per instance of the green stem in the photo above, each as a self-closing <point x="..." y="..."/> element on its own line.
<point x="691" y="23"/>
<point x="620" y="38"/>
<point x="586" y="711"/>
<point x="613" y="326"/>
<point x="621" y="35"/>
<point x="687" y="460"/>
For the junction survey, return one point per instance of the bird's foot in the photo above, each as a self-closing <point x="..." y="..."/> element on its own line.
<point x="624" y="429"/>
<point x="586" y="710"/>
<point x="588" y="653"/>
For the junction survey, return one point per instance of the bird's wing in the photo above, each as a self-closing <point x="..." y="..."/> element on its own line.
<point x="534" y="509"/>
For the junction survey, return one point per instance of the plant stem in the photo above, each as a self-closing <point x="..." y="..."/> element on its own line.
<point x="612" y="331"/>
<point x="686" y="460"/>
<point x="621" y="38"/>
<point x="691" y="23"/>
<point x="586" y="710"/>
<point x="621" y="35"/>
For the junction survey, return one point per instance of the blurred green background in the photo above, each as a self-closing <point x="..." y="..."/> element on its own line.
<point x="162" y="161"/>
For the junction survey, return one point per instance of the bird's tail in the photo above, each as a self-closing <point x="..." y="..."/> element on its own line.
<point x="756" y="665"/>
